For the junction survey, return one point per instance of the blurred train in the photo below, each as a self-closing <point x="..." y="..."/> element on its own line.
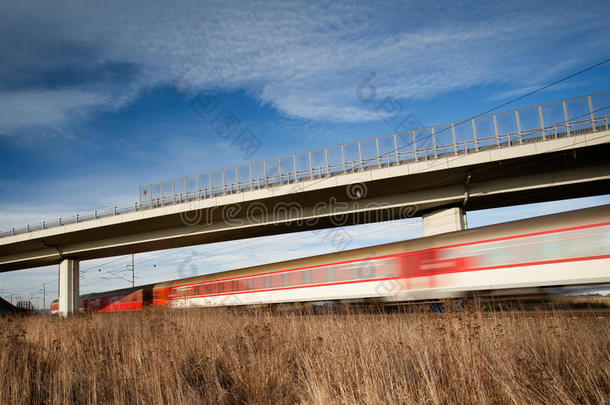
<point x="571" y="248"/>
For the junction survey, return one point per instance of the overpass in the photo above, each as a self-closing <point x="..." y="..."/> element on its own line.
<point x="541" y="153"/>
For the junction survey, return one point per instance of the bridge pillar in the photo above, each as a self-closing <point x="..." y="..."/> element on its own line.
<point x="445" y="220"/>
<point x="68" y="287"/>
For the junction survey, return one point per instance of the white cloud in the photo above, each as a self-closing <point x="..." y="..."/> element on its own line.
<point x="49" y="108"/>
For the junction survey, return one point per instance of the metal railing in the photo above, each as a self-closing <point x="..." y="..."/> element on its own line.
<point x="503" y="130"/>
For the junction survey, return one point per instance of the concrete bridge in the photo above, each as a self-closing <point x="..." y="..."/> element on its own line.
<point x="541" y="153"/>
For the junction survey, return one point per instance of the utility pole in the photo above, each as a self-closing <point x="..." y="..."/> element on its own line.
<point x="133" y="271"/>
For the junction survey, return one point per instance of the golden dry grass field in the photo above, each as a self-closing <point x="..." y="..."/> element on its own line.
<point x="254" y="356"/>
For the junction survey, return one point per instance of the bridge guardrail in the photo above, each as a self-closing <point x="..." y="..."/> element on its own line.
<point x="503" y="130"/>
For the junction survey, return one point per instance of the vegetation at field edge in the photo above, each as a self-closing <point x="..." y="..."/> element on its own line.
<point x="256" y="356"/>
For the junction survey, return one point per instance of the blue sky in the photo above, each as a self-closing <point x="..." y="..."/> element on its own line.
<point x="95" y="99"/>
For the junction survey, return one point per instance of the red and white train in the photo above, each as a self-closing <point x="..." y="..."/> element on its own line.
<point x="571" y="248"/>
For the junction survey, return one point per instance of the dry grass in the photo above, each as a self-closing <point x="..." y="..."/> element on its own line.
<point x="210" y="356"/>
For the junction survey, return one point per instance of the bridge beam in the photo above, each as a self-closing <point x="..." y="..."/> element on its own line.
<point x="68" y="286"/>
<point x="445" y="220"/>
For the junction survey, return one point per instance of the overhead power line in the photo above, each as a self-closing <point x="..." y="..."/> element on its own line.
<point x="507" y="103"/>
<point x="538" y="90"/>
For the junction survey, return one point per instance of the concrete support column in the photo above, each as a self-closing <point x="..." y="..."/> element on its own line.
<point x="445" y="220"/>
<point x="68" y="287"/>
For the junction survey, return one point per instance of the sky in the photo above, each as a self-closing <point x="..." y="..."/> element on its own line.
<point x="96" y="99"/>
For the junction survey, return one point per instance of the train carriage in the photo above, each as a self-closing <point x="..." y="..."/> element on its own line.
<point x="556" y="250"/>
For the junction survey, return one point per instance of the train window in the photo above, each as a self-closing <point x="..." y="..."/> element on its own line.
<point x="528" y="252"/>
<point x="287" y="279"/>
<point x="297" y="277"/>
<point x="235" y="286"/>
<point x="318" y="275"/>
<point x="344" y="272"/>
<point x="259" y="282"/>
<point x="550" y="251"/>
<point x="495" y="257"/>
<point x="365" y="270"/>
<point x="273" y="282"/>
<point x="227" y="286"/>
<point x="390" y="268"/>
<point x="213" y="288"/>
<point x="330" y="273"/>
<point x="277" y="280"/>
<point x="267" y="281"/>
<point x="307" y="277"/>
<point x="251" y="283"/>
<point x="583" y="243"/>
<point x="242" y="285"/>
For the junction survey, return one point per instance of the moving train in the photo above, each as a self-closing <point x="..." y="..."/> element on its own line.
<point x="570" y="248"/>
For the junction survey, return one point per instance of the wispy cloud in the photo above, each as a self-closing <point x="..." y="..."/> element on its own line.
<point x="305" y="60"/>
<point x="520" y="91"/>
<point x="43" y="107"/>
